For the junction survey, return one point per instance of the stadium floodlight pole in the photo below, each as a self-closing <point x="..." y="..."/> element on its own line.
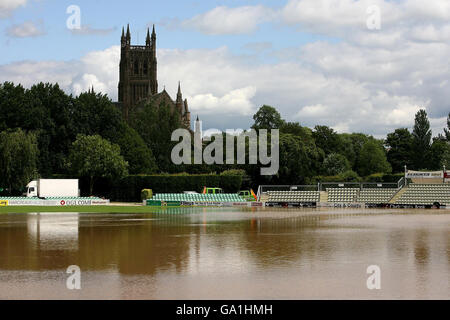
<point x="406" y="173"/>
<point x="443" y="178"/>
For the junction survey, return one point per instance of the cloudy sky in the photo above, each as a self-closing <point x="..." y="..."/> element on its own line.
<point x="329" y="62"/>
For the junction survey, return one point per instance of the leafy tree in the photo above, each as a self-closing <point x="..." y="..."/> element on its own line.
<point x="326" y="139"/>
<point x="13" y="106"/>
<point x="438" y="153"/>
<point x="349" y="176"/>
<point x="421" y="140"/>
<point x="358" y="140"/>
<point x="335" y="164"/>
<point x="297" y="159"/>
<point x="155" y="124"/>
<point x="373" y="159"/>
<point x="445" y="158"/>
<point x="95" y="157"/>
<point x="94" y="113"/>
<point x="18" y="159"/>
<point x="399" y="144"/>
<point x="297" y="130"/>
<point x="50" y="115"/>
<point x="44" y="109"/>
<point x="268" y="118"/>
<point x="136" y="152"/>
<point x="447" y="130"/>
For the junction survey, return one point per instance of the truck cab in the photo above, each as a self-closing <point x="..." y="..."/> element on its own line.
<point x="212" y="190"/>
<point x="32" y="189"/>
<point x="247" y="195"/>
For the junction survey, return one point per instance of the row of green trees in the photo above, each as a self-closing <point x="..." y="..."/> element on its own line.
<point x="45" y="132"/>
<point x="324" y="152"/>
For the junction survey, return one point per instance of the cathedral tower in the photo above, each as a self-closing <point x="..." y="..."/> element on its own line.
<point x="138" y="71"/>
<point x="138" y="82"/>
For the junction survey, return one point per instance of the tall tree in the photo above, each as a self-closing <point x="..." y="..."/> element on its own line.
<point x="438" y="153"/>
<point x="399" y="144"/>
<point x="267" y="117"/>
<point x="94" y="157"/>
<point x="50" y="114"/>
<point x="447" y="130"/>
<point x="326" y="139"/>
<point x="335" y="164"/>
<point x="373" y="159"/>
<point x="350" y="145"/>
<point x="421" y="140"/>
<point x="155" y="124"/>
<point x="18" y="159"/>
<point x="445" y="158"/>
<point x="298" y="159"/>
<point x="94" y="113"/>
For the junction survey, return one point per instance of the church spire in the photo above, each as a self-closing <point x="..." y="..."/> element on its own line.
<point x="179" y="102"/>
<point x="179" y="95"/>
<point x="154" y="43"/>
<point x="147" y="40"/>
<point x="128" y="32"/>
<point x="122" y="39"/>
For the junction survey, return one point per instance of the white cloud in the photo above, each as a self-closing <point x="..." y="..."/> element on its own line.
<point x="237" y="102"/>
<point x="224" y="20"/>
<point x="371" y="82"/>
<point x="26" y="30"/>
<point x="347" y="19"/>
<point x="8" y="6"/>
<point x="98" y="69"/>
<point x="225" y="90"/>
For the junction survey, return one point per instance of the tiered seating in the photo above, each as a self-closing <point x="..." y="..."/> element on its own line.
<point x="376" y="195"/>
<point x="224" y="197"/>
<point x="342" y="194"/>
<point x="426" y="194"/>
<point x="293" y="196"/>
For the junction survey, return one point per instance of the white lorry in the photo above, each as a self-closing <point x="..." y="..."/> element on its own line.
<point x="51" y="188"/>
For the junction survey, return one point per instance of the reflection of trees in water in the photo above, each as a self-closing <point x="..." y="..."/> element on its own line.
<point x="421" y="258"/>
<point x="16" y="251"/>
<point x="102" y="242"/>
<point x="175" y="237"/>
<point x="37" y="242"/>
<point x="447" y="241"/>
<point x="421" y="249"/>
<point x="135" y="247"/>
<point x="274" y="242"/>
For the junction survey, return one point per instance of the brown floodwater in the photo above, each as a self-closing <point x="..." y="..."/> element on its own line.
<point x="189" y="253"/>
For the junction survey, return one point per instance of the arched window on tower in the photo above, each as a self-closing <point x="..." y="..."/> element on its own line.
<point x="136" y="67"/>
<point x="145" y="68"/>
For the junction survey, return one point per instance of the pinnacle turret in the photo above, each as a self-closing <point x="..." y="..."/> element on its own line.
<point x="128" y="32"/>
<point x="147" y="40"/>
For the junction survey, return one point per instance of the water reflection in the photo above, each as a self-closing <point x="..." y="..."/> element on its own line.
<point x="227" y="253"/>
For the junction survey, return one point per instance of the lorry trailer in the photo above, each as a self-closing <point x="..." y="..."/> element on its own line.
<point x="50" y="188"/>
